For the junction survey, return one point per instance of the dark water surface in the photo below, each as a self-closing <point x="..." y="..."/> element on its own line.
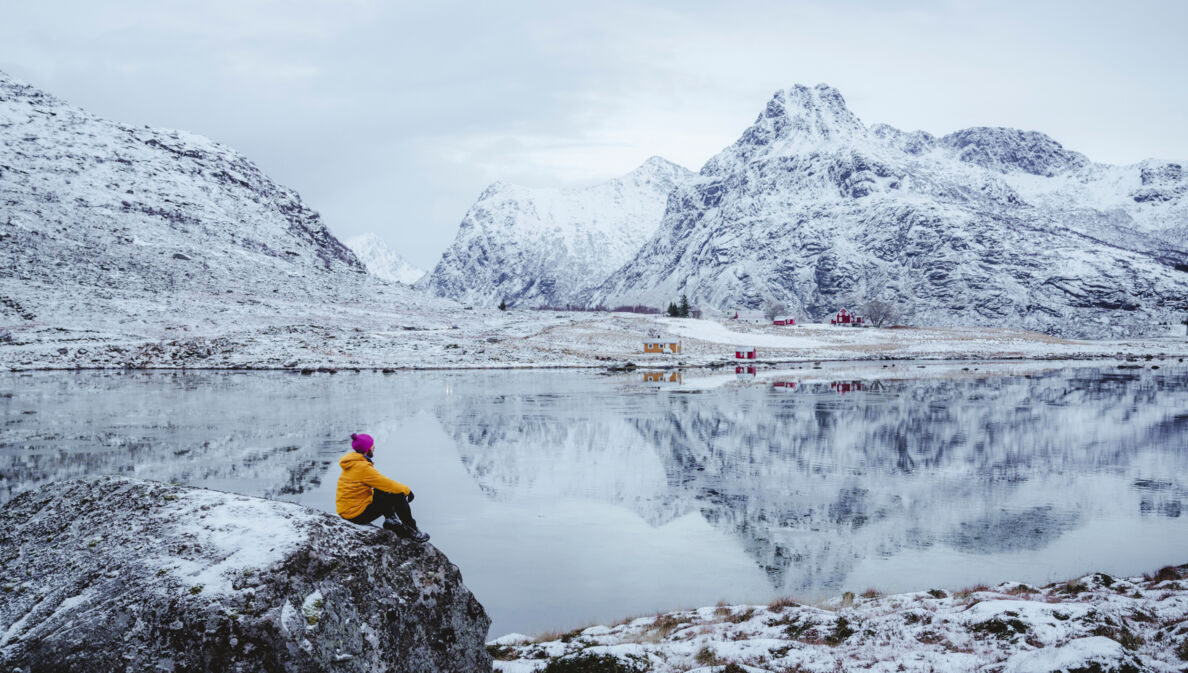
<point x="573" y="497"/>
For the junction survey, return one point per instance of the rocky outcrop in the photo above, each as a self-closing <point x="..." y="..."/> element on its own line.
<point x="121" y="574"/>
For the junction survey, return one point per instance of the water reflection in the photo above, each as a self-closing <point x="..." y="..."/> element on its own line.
<point x="845" y="470"/>
<point x="809" y="477"/>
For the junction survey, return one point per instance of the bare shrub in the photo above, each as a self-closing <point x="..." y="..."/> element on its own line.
<point x="878" y="312"/>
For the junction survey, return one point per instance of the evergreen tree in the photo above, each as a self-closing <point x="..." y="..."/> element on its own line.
<point x="684" y="306"/>
<point x="673" y="310"/>
<point x="502" y="305"/>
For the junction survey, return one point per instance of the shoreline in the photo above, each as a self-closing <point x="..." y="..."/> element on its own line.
<point x="576" y="340"/>
<point x="627" y="367"/>
<point x="1095" y="622"/>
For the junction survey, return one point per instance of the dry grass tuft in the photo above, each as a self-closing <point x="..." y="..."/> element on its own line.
<point x="665" y="625"/>
<point x="780" y="603"/>
<point x="707" y="657"/>
<point x="969" y="591"/>
<point x="1163" y="574"/>
<point x="741" y="617"/>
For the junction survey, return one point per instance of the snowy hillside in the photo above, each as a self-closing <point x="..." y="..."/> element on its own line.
<point x="110" y="226"/>
<point x="382" y="261"/>
<point x="533" y="247"/>
<point x="985" y="226"/>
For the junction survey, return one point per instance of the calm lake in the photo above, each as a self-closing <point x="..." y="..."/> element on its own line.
<point x="572" y="497"/>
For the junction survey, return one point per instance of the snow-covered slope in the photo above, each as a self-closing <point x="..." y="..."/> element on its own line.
<point x="985" y="226"/>
<point x="103" y="223"/>
<point x="533" y="247"/>
<point x="382" y="261"/>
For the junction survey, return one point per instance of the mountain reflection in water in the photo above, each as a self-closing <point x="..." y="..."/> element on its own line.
<point x="821" y="480"/>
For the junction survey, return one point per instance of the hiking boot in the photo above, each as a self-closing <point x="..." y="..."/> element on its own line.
<point x="406" y="532"/>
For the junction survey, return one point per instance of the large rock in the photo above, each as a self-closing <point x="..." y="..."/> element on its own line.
<point x="118" y="574"/>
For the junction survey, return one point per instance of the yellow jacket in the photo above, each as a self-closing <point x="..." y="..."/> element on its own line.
<point x="356" y="482"/>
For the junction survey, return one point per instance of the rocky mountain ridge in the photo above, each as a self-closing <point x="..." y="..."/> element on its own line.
<point x="106" y="224"/>
<point x="991" y="226"/>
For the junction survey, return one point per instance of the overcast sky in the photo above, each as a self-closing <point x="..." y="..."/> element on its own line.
<point x="391" y="117"/>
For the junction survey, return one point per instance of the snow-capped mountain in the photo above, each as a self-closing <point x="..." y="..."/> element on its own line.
<point x="382" y="261"/>
<point x="991" y="226"/>
<point x="537" y="246"/>
<point x="119" y="223"/>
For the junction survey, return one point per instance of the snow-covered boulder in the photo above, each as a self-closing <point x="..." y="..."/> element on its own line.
<point x="121" y="574"/>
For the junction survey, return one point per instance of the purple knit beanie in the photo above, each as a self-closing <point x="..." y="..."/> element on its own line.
<point x="362" y="443"/>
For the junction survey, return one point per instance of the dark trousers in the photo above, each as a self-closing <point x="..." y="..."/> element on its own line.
<point x="386" y="504"/>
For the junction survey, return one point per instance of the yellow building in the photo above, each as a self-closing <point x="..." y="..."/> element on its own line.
<point x="662" y="346"/>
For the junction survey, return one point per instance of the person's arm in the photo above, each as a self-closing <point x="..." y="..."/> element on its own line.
<point x="374" y="479"/>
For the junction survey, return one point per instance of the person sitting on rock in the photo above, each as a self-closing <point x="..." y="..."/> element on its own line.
<point x="364" y="494"/>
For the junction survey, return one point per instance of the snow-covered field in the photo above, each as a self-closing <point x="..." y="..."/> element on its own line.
<point x="1093" y="623"/>
<point x="372" y="334"/>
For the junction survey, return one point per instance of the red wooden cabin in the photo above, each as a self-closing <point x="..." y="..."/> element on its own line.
<point x="844" y="317"/>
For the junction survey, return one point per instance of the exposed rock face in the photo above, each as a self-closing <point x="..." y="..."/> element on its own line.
<point x="534" y="247"/>
<point x="984" y="226"/>
<point x="120" y="574"/>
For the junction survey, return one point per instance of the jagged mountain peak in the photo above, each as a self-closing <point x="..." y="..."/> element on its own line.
<point x="795" y="120"/>
<point x="657" y="165"/>
<point x="909" y="142"/>
<point x="1006" y="150"/>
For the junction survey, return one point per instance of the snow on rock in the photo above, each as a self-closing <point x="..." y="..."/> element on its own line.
<point x="1096" y="653"/>
<point x="1094" y="623"/>
<point x="383" y="262"/>
<point x="984" y="226"/>
<point x="114" y="573"/>
<point x="536" y="246"/>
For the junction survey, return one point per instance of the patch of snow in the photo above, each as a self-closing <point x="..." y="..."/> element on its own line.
<point x="235" y="534"/>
